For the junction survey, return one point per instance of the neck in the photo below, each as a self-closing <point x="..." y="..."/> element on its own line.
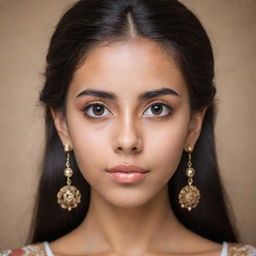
<point x="131" y="230"/>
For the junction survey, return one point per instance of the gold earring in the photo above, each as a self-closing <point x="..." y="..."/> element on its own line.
<point x="68" y="196"/>
<point x="189" y="195"/>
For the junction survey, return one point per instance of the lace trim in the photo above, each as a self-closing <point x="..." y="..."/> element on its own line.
<point x="239" y="249"/>
<point x="28" y="250"/>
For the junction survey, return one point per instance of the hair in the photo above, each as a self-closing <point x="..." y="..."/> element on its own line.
<point x="86" y="25"/>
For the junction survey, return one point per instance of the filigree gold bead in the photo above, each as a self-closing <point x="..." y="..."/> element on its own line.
<point x="68" y="172"/>
<point x="68" y="197"/>
<point x="189" y="197"/>
<point x="190" y="172"/>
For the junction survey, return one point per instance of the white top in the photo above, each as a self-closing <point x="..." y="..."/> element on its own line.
<point x="48" y="249"/>
<point x="224" y="251"/>
<point x="250" y="250"/>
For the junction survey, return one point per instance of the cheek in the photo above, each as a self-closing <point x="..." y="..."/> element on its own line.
<point x="90" y="144"/>
<point x="166" y="146"/>
<point x="166" y="151"/>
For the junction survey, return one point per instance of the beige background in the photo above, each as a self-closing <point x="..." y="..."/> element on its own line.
<point x="25" y="29"/>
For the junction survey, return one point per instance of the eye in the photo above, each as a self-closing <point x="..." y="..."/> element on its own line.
<point x="95" y="110"/>
<point x="158" y="109"/>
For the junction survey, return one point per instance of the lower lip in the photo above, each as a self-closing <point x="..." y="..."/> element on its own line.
<point x="127" y="177"/>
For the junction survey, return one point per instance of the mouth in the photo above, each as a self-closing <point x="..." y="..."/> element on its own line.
<point x="127" y="173"/>
<point x="127" y="177"/>
<point x="127" y="169"/>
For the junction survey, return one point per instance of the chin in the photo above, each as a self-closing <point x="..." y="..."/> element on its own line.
<point x="128" y="199"/>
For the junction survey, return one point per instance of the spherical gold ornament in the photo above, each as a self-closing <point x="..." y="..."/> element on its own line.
<point x="68" y="197"/>
<point x="189" y="197"/>
<point x="68" y="172"/>
<point x="190" y="172"/>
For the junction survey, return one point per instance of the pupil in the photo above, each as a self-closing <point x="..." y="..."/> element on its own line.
<point x="157" y="108"/>
<point x="98" y="109"/>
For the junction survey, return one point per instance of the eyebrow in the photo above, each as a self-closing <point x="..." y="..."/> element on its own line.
<point x="144" y="96"/>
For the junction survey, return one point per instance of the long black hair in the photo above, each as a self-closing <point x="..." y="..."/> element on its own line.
<point x="89" y="23"/>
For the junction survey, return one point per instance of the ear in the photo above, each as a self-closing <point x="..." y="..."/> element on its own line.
<point x="61" y="127"/>
<point x="195" y="126"/>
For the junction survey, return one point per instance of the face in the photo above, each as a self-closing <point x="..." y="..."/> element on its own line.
<point x="149" y="132"/>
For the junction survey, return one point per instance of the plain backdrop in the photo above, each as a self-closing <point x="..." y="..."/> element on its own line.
<point x="25" y="30"/>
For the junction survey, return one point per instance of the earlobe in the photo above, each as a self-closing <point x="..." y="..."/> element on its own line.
<point x="61" y="126"/>
<point x="195" y="127"/>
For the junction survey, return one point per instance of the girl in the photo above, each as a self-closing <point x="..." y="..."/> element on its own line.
<point x="130" y="164"/>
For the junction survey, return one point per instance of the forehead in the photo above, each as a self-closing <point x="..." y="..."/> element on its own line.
<point x="134" y="66"/>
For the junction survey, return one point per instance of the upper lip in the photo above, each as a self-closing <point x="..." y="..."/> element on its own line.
<point x="126" y="168"/>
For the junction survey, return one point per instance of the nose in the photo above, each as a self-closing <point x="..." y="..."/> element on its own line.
<point x="127" y="137"/>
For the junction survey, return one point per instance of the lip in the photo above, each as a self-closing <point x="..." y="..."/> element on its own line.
<point x="127" y="177"/>
<point x="127" y="168"/>
<point x="127" y="173"/>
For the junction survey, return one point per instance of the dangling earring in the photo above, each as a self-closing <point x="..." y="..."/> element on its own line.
<point x="68" y="196"/>
<point x="189" y="195"/>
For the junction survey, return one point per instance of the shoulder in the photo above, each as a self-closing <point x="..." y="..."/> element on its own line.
<point x="36" y="249"/>
<point x="240" y="249"/>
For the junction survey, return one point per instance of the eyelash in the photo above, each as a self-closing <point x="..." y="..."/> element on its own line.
<point x="169" y="108"/>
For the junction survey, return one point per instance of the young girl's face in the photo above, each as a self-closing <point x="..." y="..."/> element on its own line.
<point x="124" y="127"/>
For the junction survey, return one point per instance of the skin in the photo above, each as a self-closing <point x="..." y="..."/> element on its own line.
<point x="130" y="219"/>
